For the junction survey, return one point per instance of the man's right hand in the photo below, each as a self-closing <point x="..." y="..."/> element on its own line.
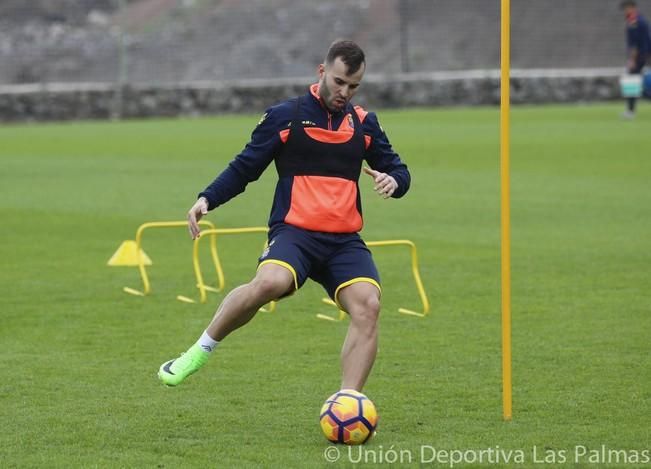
<point x="198" y="210"/>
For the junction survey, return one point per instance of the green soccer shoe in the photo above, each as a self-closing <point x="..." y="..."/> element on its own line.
<point x="173" y="372"/>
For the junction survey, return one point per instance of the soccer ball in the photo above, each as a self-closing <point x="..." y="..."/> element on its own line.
<point x="348" y="417"/>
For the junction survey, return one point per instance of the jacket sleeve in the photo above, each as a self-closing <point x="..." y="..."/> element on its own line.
<point x="645" y="40"/>
<point x="380" y="155"/>
<point x="249" y="165"/>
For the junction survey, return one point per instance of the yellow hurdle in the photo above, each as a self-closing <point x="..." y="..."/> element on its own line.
<point x="203" y="288"/>
<point x="146" y="286"/>
<point x="341" y="315"/>
<point x="415" y="273"/>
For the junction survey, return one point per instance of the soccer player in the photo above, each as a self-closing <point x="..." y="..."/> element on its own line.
<point x="638" y="42"/>
<point x="318" y="143"/>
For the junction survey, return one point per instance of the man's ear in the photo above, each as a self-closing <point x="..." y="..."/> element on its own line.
<point x="320" y="70"/>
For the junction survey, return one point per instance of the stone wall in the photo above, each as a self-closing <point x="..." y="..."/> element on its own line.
<point x="470" y="88"/>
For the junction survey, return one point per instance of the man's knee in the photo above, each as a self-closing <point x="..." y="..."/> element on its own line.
<point x="363" y="306"/>
<point x="273" y="282"/>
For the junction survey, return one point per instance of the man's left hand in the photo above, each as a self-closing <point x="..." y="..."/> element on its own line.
<point x="385" y="185"/>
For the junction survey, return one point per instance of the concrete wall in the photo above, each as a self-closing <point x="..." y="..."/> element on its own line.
<point x="103" y="101"/>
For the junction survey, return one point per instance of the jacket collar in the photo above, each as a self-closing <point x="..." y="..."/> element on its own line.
<point x="314" y="91"/>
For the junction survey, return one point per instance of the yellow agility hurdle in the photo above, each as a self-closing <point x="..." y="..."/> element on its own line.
<point x="341" y="316"/>
<point x="414" y="270"/>
<point x="203" y="288"/>
<point x="146" y="290"/>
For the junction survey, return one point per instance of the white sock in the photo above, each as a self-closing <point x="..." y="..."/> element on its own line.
<point x="207" y="343"/>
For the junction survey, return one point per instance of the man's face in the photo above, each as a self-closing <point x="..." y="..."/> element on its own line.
<point x="629" y="10"/>
<point x="336" y="87"/>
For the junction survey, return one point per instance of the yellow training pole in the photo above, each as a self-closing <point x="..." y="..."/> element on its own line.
<point x="505" y="209"/>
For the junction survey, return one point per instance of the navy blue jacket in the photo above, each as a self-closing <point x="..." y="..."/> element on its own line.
<point x="638" y="37"/>
<point x="271" y="134"/>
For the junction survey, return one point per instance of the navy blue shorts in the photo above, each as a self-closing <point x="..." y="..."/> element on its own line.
<point x="334" y="260"/>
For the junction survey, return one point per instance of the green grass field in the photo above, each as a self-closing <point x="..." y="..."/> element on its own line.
<point x="79" y="356"/>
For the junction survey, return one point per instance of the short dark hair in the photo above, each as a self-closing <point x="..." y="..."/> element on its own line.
<point x="349" y="53"/>
<point x="627" y="3"/>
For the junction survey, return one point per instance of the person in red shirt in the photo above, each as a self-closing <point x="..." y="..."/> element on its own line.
<point x="318" y="143"/>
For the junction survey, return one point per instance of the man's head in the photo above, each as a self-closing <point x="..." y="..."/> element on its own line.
<point x="341" y="74"/>
<point x="628" y="6"/>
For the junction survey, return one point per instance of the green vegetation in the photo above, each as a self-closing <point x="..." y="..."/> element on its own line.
<point x="79" y="356"/>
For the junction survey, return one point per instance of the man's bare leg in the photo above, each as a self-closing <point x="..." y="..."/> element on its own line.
<point x="242" y="303"/>
<point x="238" y="308"/>
<point x="362" y="302"/>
